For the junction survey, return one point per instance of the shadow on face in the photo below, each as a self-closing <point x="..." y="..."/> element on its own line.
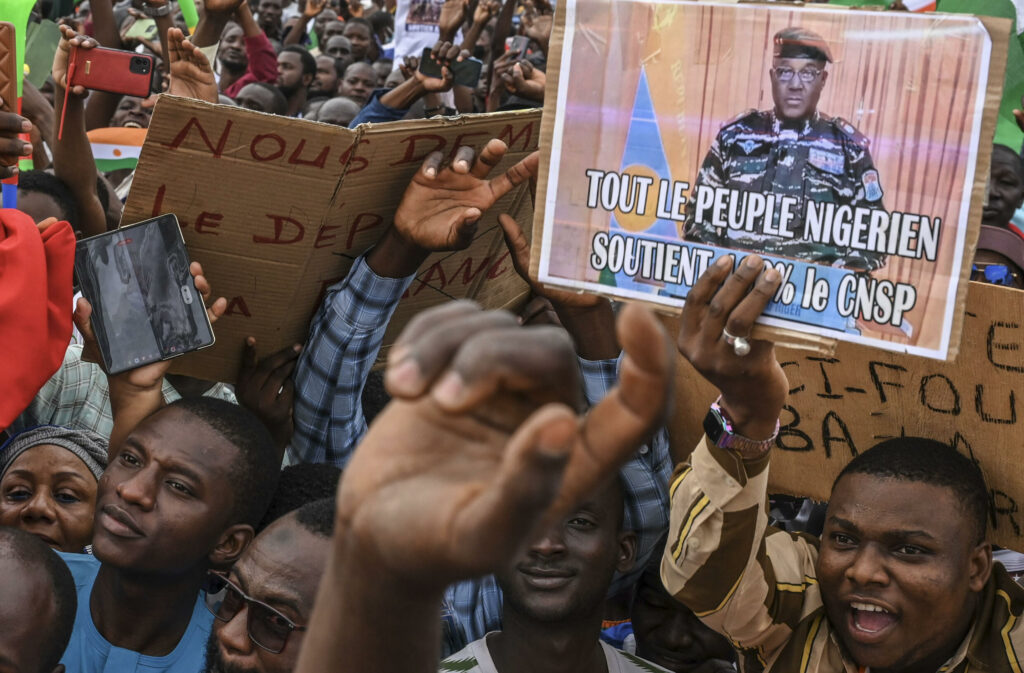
<point x="281" y="569"/>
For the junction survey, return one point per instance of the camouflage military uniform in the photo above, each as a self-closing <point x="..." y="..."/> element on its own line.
<point x="827" y="161"/>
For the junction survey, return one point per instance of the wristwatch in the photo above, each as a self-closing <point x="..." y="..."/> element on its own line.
<point x="154" y="12"/>
<point x="719" y="430"/>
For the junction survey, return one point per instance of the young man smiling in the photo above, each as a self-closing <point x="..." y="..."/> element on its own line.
<point x="554" y="594"/>
<point x="902" y="580"/>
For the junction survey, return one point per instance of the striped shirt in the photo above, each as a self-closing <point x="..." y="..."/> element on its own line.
<point x="476" y="658"/>
<point x="757" y="585"/>
<point x="77" y="396"/>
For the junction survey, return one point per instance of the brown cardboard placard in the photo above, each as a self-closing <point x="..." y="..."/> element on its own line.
<point x="841" y="405"/>
<point x="277" y="209"/>
<point x="661" y="49"/>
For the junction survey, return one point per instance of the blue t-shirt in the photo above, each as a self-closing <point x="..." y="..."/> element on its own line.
<point x="89" y="652"/>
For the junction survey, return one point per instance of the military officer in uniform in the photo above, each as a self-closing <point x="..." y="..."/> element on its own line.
<point x="792" y="150"/>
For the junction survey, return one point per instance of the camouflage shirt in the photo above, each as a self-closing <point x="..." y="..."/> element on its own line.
<point x="827" y="161"/>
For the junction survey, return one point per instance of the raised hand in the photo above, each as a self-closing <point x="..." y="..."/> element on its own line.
<point x="519" y="248"/>
<point x="483" y="445"/>
<point x="266" y="388"/>
<point x="313" y="8"/>
<point x="526" y="81"/>
<point x="68" y="39"/>
<point x="453" y="15"/>
<point x="444" y="53"/>
<point x="442" y="204"/>
<point x="485" y="9"/>
<point x="537" y="23"/>
<point x="753" y="386"/>
<point x="191" y="74"/>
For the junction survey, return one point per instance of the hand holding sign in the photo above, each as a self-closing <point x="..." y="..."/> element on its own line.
<point x="519" y="249"/>
<point x="753" y="386"/>
<point x="266" y="388"/>
<point x="441" y="206"/>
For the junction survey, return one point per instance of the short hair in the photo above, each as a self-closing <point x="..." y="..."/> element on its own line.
<point x="52" y="186"/>
<point x="308" y="61"/>
<point x="1008" y="153"/>
<point x="359" y="21"/>
<point x="35" y="554"/>
<point x="299" y="485"/>
<point x="317" y="517"/>
<point x="928" y="461"/>
<point x="339" y="65"/>
<point x="380" y="20"/>
<point x="280" y="102"/>
<point x="254" y="472"/>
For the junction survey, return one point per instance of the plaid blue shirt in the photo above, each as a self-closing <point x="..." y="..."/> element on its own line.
<point x="345" y="337"/>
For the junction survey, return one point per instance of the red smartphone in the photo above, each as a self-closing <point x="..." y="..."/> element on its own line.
<point x="112" y="70"/>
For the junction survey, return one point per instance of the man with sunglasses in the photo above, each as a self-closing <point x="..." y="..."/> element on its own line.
<point x="794" y="151"/>
<point x="263" y="605"/>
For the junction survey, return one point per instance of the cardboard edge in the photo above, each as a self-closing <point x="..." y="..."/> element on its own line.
<point x="999" y="30"/>
<point x="547" y="134"/>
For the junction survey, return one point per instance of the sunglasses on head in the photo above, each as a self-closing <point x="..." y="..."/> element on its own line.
<point x="267" y="627"/>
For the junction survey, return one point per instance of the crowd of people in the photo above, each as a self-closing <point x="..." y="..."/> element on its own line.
<point x="504" y="496"/>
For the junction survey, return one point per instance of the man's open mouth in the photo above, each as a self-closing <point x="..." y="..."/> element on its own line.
<point x="869" y="622"/>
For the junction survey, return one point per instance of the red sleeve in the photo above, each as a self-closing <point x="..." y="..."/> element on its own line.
<point x="262" y="59"/>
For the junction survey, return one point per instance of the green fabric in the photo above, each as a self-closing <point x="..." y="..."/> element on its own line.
<point x="41" y="43"/>
<point x="1007" y="131"/>
<point x="188" y="11"/>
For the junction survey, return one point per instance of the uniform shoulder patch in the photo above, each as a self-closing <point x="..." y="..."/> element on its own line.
<point x="850" y="131"/>
<point x="740" y="117"/>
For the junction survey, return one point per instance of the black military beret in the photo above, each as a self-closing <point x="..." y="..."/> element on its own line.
<point x="795" y="42"/>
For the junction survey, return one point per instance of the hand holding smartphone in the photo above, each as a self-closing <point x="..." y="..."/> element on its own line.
<point x="465" y="73"/>
<point x="146" y="307"/>
<point x="112" y="70"/>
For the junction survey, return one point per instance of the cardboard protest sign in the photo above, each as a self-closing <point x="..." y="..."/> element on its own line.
<point x="850" y="148"/>
<point x="841" y="405"/>
<point x="277" y="209"/>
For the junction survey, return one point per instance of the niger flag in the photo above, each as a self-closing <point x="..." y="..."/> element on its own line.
<point x="116" y="148"/>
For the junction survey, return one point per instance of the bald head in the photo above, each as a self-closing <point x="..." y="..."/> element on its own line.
<point x="338" y="111"/>
<point x="33" y="640"/>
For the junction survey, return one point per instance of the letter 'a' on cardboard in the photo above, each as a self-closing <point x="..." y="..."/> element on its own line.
<point x="820" y="189"/>
<point x="276" y="210"/>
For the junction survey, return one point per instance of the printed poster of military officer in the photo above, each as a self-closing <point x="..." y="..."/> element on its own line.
<point x="839" y="145"/>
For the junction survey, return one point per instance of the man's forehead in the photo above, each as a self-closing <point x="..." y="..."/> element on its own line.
<point x="285" y="561"/>
<point x="798" y="63"/>
<point x="360" y="69"/>
<point x="877" y="503"/>
<point x="178" y="435"/>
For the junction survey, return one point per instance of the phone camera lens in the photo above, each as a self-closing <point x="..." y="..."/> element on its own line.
<point x="139" y="65"/>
